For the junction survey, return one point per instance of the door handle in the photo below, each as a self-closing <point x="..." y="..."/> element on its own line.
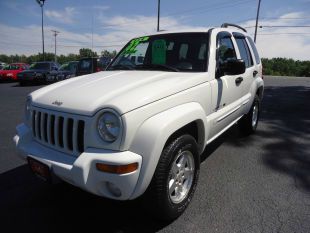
<point x="238" y="80"/>
<point x="255" y="72"/>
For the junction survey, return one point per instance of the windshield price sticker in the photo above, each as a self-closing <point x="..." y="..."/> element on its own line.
<point x="159" y="52"/>
<point x="131" y="48"/>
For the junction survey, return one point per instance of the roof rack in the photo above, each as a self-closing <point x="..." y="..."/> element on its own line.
<point x="225" y="25"/>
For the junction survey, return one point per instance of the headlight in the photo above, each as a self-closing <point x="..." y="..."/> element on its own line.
<point x="27" y="109"/>
<point x="109" y="126"/>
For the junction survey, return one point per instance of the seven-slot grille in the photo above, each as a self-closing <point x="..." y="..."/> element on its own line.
<point x="58" y="131"/>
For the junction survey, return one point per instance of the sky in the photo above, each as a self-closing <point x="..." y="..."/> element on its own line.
<point x="110" y="24"/>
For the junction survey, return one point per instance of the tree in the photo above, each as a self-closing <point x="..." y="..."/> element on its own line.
<point x="106" y="53"/>
<point x="85" y="52"/>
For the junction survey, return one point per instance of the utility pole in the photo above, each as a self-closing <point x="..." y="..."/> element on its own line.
<point x="41" y="3"/>
<point x="257" y="15"/>
<point x="158" y="15"/>
<point x="55" y="33"/>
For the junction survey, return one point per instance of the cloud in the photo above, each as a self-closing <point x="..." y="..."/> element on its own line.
<point x="290" y="42"/>
<point x="113" y="33"/>
<point x="110" y="34"/>
<point x="65" y="16"/>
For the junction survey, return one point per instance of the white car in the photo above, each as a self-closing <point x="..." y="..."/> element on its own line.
<point x="140" y="128"/>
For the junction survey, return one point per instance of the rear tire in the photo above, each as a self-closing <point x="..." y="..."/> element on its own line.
<point x="175" y="179"/>
<point x="248" y="123"/>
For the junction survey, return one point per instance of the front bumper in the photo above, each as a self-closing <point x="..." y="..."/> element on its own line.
<point x="81" y="171"/>
<point x="30" y="78"/>
<point x="7" y="77"/>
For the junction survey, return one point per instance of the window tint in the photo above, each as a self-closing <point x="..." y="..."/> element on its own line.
<point x="40" y="66"/>
<point x="254" y="50"/>
<point x="226" y="50"/>
<point x="11" y="67"/>
<point x="139" y="51"/>
<point x="244" y="52"/>
<point x="85" y="65"/>
<point x="202" y="52"/>
<point x="183" y="51"/>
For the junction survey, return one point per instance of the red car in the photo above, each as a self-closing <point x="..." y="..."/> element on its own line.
<point x="10" y="72"/>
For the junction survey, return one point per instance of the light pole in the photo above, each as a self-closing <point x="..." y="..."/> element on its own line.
<point x="41" y="3"/>
<point x="158" y="15"/>
<point x="257" y="15"/>
<point x="55" y="33"/>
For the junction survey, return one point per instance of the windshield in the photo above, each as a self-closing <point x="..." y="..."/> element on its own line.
<point x="186" y="52"/>
<point x="64" y="67"/>
<point x="40" y="66"/>
<point x="69" y="67"/>
<point x="11" y="67"/>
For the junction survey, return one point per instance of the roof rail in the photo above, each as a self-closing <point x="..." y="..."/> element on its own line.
<point x="225" y="25"/>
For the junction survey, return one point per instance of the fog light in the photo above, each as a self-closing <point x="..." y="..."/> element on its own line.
<point x="117" y="169"/>
<point x="114" y="189"/>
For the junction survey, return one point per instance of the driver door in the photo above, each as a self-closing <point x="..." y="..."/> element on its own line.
<point x="226" y="89"/>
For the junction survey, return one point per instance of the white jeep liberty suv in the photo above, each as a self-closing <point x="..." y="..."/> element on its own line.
<point x="140" y="126"/>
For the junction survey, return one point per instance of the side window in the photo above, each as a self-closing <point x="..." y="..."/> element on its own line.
<point x="244" y="52"/>
<point x="254" y="50"/>
<point x="183" y="51"/>
<point x="202" y="52"/>
<point x="226" y="50"/>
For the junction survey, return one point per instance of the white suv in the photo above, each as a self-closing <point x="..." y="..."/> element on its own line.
<point x="140" y="126"/>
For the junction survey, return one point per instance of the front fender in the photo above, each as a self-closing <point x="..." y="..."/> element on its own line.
<point x="152" y="135"/>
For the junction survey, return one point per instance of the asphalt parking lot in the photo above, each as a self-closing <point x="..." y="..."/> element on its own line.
<point x="255" y="184"/>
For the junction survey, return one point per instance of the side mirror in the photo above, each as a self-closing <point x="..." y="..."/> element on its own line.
<point x="233" y="67"/>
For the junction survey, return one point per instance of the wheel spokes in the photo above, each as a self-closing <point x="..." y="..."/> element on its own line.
<point x="172" y="186"/>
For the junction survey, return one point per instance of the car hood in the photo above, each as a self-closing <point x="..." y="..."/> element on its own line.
<point x="122" y="91"/>
<point x="65" y="72"/>
<point x="34" y="71"/>
<point x="8" y="71"/>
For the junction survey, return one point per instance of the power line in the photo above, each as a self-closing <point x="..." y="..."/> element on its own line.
<point x="274" y="18"/>
<point x="281" y="26"/>
<point x="213" y="7"/>
<point x="284" y="33"/>
<point x="286" y="26"/>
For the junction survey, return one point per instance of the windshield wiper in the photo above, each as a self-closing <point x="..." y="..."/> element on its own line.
<point x="167" y="67"/>
<point x="119" y="66"/>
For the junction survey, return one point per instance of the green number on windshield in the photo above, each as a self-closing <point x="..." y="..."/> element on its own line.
<point x="131" y="48"/>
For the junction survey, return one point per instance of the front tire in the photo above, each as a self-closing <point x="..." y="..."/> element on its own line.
<point x="175" y="178"/>
<point x="248" y="123"/>
<point x="22" y="83"/>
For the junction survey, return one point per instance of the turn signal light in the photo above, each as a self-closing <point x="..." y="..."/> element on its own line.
<point x="117" y="169"/>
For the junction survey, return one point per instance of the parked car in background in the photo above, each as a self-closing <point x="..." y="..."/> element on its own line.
<point x="38" y="72"/>
<point x="67" y="70"/>
<point x="9" y="72"/>
<point x="91" y="65"/>
<point x="2" y="65"/>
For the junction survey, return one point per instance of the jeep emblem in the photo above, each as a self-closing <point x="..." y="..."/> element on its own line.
<point x="58" y="103"/>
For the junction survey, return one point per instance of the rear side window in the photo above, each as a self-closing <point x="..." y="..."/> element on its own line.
<point x="85" y="65"/>
<point x="254" y="50"/>
<point x="244" y="52"/>
<point x="183" y="51"/>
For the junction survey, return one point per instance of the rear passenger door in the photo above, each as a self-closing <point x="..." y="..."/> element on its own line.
<point x="251" y="71"/>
